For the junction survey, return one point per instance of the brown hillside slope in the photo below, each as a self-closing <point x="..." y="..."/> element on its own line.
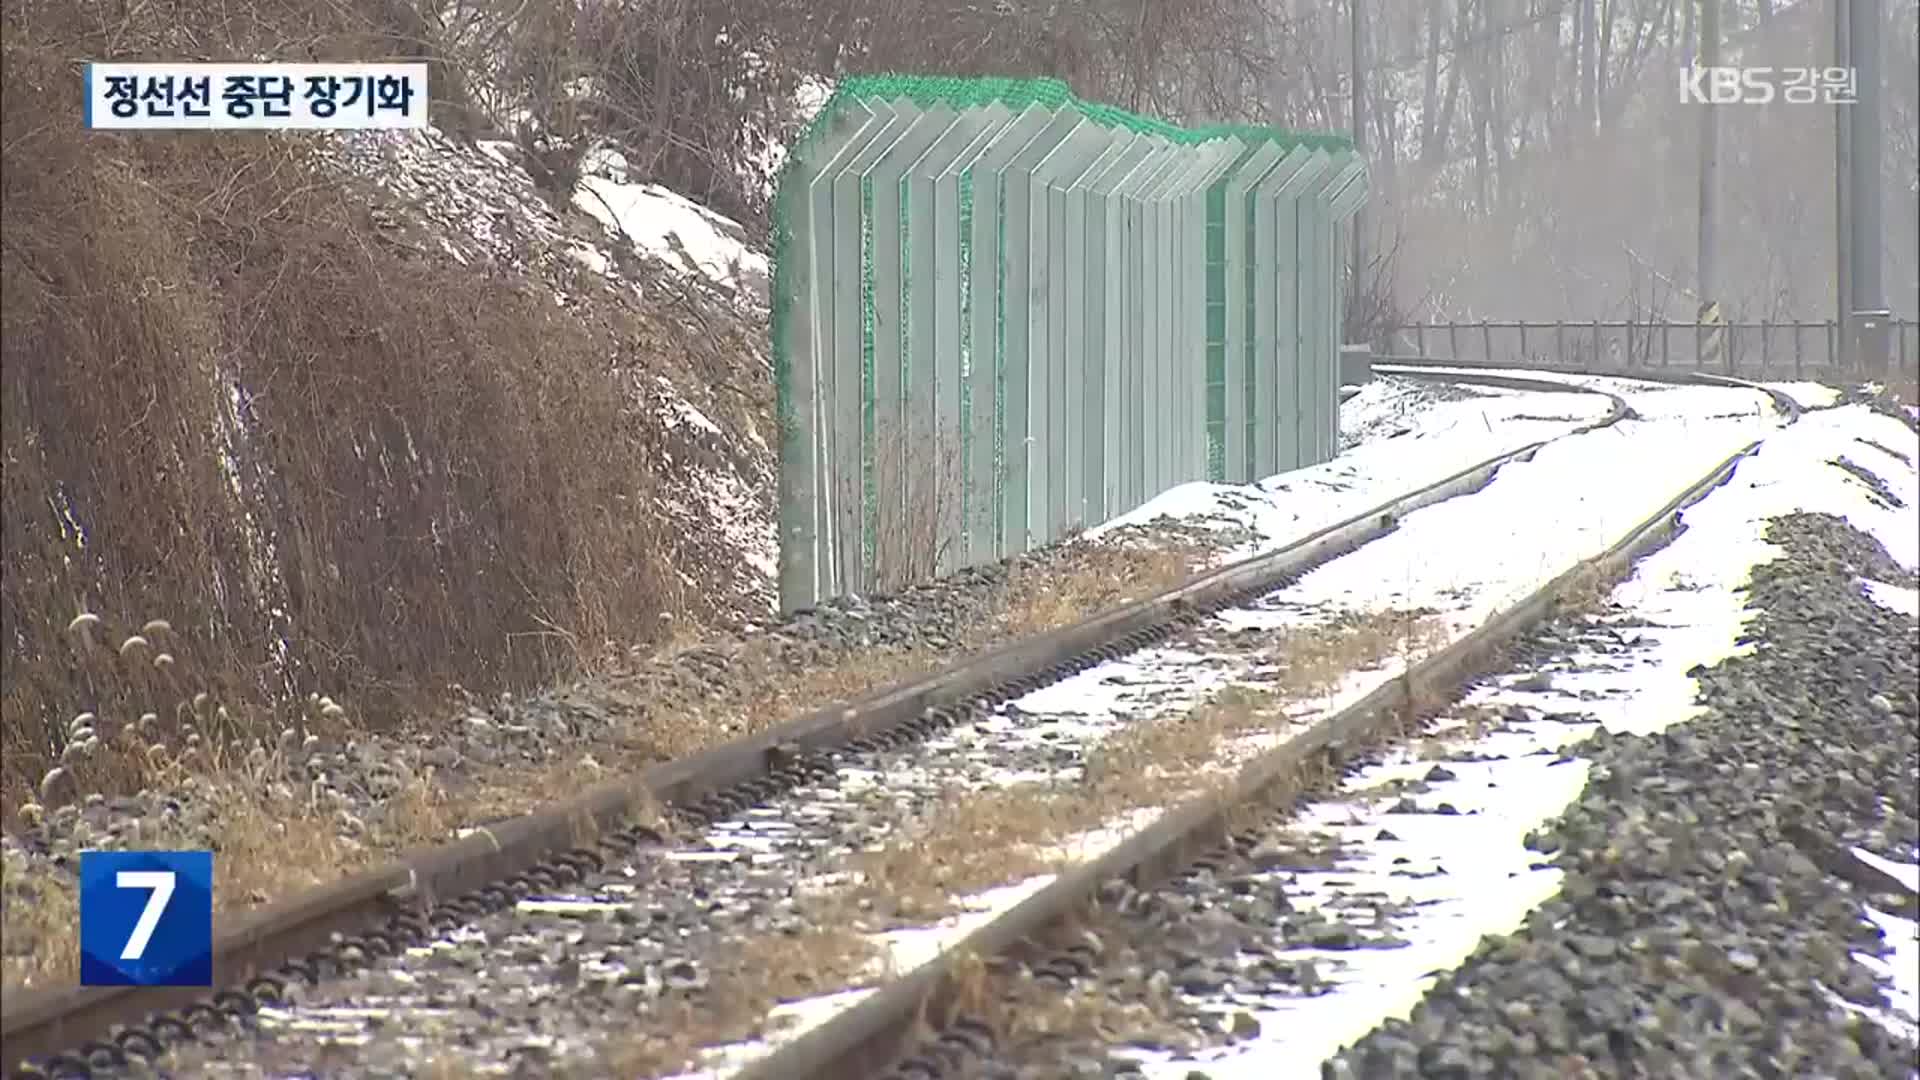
<point x="238" y="397"/>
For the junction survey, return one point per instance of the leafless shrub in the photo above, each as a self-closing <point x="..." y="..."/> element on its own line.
<point x="1372" y="310"/>
<point x="905" y="501"/>
<point x="917" y="486"/>
<point x="228" y="400"/>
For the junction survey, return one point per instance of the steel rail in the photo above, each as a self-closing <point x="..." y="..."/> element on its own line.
<point x="924" y="1010"/>
<point x="1428" y="366"/>
<point x="430" y="890"/>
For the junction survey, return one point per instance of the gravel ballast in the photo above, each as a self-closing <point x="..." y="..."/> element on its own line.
<point x="622" y="956"/>
<point x="1698" y="932"/>
<point x="1705" y="925"/>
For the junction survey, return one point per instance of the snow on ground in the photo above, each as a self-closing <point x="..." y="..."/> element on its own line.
<point x="1423" y="440"/>
<point x="1902" y="969"/>
<point x="1534" y="521"/>
<point x="1387" y="407"/>
<point x="1650" y="398"/>
<point x="1469" y="557"/>
<point x="675" y="230"/>
<point x="908" y="950"/>
<point x="1811" y="395"/>
<point x="1893" y="597"/>
<point x="1689" y="593"/>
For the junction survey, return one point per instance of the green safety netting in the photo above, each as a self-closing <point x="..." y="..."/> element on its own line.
<point x="1220" y="379"/>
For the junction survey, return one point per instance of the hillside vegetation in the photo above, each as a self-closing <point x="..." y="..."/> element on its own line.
<point x="248" y="392"/>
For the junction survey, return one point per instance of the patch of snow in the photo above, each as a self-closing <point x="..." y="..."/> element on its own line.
<point x="672" y="228"/>
<point x="906" y="951"/>
<point x="901" y="953"/>
<point x="720" y="498"/>
<point x="501" y="151"/>
<point x="811" y="97"/>
<point x="767" y="160"/>
<point x="1893" y="597"/>
<point x="1899" y="972"/>
<point x="785" y="1022"/>
<point x="680" y="412"/>
<point x="1384" y="407"/>
<point x="1535" y="520"/>
<point x="607" y="163"/>
<point x="1810" y="395"/>
<point x="1440" y="440"/>
<point x="591" y="258"/>
<point x="1906" y="874"/>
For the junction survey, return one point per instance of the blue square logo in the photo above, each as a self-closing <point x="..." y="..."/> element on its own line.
<point x="146" y="918"/>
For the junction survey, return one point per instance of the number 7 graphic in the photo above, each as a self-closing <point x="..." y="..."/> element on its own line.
<point x="146" y="918"/>
<point x="161" y="882"/>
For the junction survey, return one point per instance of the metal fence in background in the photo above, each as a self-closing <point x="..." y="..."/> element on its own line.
<point x="1758" y="349"/>
<point x="1001" y="314"/>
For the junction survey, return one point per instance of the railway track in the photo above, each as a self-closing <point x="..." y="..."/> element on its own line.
<point x="581" y="863"/>
<point x="931" y="1023"/>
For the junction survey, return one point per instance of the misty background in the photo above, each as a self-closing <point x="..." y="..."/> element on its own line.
<point x="1531" y="159"/>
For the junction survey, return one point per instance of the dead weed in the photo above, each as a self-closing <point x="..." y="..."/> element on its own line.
<point x="975" y="840"/>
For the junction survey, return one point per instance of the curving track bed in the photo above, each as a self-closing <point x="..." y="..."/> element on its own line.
<point x="850" y="849"/>
<point x="1722" y="882"/>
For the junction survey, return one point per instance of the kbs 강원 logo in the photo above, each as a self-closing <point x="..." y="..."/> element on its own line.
<point x="146" y="918"/>
<point x="1760" y="85"/>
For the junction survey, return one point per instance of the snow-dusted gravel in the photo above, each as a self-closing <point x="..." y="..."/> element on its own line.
<point x="1702" y="928"/>
<point x="1720" y="882"/>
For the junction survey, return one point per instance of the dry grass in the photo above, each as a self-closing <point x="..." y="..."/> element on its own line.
<point x="434" y="476"/>
<point x="976" y="840"/>
<point x="1589" y="592"/>
<point x="762" y="692"/>
<point x="271" y="841"/>
<point x="274" y="833"/>
<point x="235" y="775"/>
<point x="1086" y="1012"/>
<point x="744" y="985"/>
<point x="1115" y="576"/>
